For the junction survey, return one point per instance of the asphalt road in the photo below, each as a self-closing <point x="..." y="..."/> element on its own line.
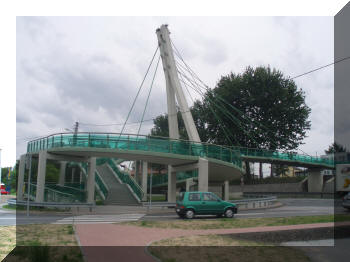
<point x="7" y="218"/>
<point x="291" y="207"/>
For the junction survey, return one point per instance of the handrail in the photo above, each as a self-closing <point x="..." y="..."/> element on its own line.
<point x="133" y="179"/>
<point x="126" y="178"/>
<point x="178" y="146"/>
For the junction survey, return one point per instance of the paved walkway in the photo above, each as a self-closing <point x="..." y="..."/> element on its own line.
<point x="134" y="238"/>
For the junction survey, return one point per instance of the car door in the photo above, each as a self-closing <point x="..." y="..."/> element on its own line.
<point x="210" y="204"/>
<point x="194" y="200"/>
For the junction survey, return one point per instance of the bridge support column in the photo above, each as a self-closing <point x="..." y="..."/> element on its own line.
<point x="203" y="174"/>
<point x="171" y="185"/>
<point x="22" y="164"/>
<point x="189" y="183"/>
<point x="315" y="181"/>
<point x="226" y="189"/>
<point x="62" y="177"/>
<point x="144" y="179"/>
<point x="91" y="180"/>
<point x="40" y="183"/>
<point x="72" y="177"/>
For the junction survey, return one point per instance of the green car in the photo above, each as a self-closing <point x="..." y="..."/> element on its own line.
<point x="203" y="203"/>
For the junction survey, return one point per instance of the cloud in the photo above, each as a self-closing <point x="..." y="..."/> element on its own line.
<point x="89" y="69"/>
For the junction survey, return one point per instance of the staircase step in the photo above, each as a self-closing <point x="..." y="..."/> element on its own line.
<point x="118" y="194"/>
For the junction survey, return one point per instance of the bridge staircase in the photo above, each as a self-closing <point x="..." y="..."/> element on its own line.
<point x="119" y="193"/>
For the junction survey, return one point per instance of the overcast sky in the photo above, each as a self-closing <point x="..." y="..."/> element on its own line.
<point x="88" y="69"/>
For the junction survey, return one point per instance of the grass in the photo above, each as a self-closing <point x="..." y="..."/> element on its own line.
<point x="221" y="248"/>
<point x="157" y="198"/>
<point x="8" y="240"/>
<point x="205" y="240"/>
<point x="240" y="223"/>
<point x="45" y="235"/>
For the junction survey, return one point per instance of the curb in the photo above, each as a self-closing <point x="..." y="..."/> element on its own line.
<point x="149" y="253"/>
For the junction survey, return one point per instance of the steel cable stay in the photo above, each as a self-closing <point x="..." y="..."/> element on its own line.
<point x="138" y="92"/>
<point x="148" y="96"/>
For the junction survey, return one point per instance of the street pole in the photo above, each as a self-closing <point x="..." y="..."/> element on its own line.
<point x="29" y="175"/>
<point x="150" y="189"/>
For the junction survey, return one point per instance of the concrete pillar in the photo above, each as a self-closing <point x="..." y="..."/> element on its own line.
<point x="315" y="181"/>
<point x="40" y="183"/>
<point x="203" y="175"/>
<point x="91" y="181"/>
<point x="171" y="185"/>
<point x="226" y="190"/>
<point x="144" y="179"/>
<point x="189" y="183"/>
<point x="72" y="177"/>
<point x="22" y="165"/>
<point x="62" y="177"/>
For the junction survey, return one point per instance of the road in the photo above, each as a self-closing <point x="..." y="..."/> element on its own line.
<point x="7" y="218"/>
<point x="291" y="207"/>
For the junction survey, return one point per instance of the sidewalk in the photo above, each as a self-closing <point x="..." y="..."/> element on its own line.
<point x="114" y="235"/>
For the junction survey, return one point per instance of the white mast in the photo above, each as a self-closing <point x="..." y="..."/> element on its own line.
<point x="173" y="88"/>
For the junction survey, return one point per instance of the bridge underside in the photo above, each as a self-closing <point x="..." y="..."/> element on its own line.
<point x="218" y="171"/>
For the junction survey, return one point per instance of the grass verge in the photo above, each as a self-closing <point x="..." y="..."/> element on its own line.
<point x="240" y="223"/>
<point x="45" y="242"/>
<point x="221" y="248"/>
<point x="8" y="240"/>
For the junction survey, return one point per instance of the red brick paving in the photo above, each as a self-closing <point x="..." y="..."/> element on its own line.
<point x="133" y="239"/>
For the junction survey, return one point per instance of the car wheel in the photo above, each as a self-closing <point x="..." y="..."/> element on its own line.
<point x="189" y="214"/>
<point x="229" y="213"/>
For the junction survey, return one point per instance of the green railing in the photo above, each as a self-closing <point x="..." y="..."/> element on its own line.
<point x="79" y="195"/>
<point x="134" y="142"/>
<point x="252" y="152"/>
<point x="101" y="185"/>
<point x="51" y="195"/>
<point x="126" y="178"/>
<point x="180" y="176"/>
<point x="98" y="180"/>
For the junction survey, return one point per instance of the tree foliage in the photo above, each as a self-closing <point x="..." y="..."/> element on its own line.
<point x="260" y="108"/>
<point x="335" y="148"/>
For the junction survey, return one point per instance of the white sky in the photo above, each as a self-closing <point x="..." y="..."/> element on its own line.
<point x="89" y="68"/>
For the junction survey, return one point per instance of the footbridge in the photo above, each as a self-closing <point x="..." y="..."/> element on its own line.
<point x="98" y="155"/>
<point x="210" y="163"/>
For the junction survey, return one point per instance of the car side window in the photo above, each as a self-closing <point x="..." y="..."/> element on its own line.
<point x="194" y="197"/>
<point x="208" y="197"/>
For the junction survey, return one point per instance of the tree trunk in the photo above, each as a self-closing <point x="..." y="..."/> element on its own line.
<point x="261" y="171"/>
<point x="247" y="170"/>
<point x="271" y="172"/>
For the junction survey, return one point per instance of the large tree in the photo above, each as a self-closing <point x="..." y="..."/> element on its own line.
<point x="335" y="148"/>
<point x="260" y="108"/>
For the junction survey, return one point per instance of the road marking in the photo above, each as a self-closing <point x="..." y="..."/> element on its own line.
<point x="97" y="219"/>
